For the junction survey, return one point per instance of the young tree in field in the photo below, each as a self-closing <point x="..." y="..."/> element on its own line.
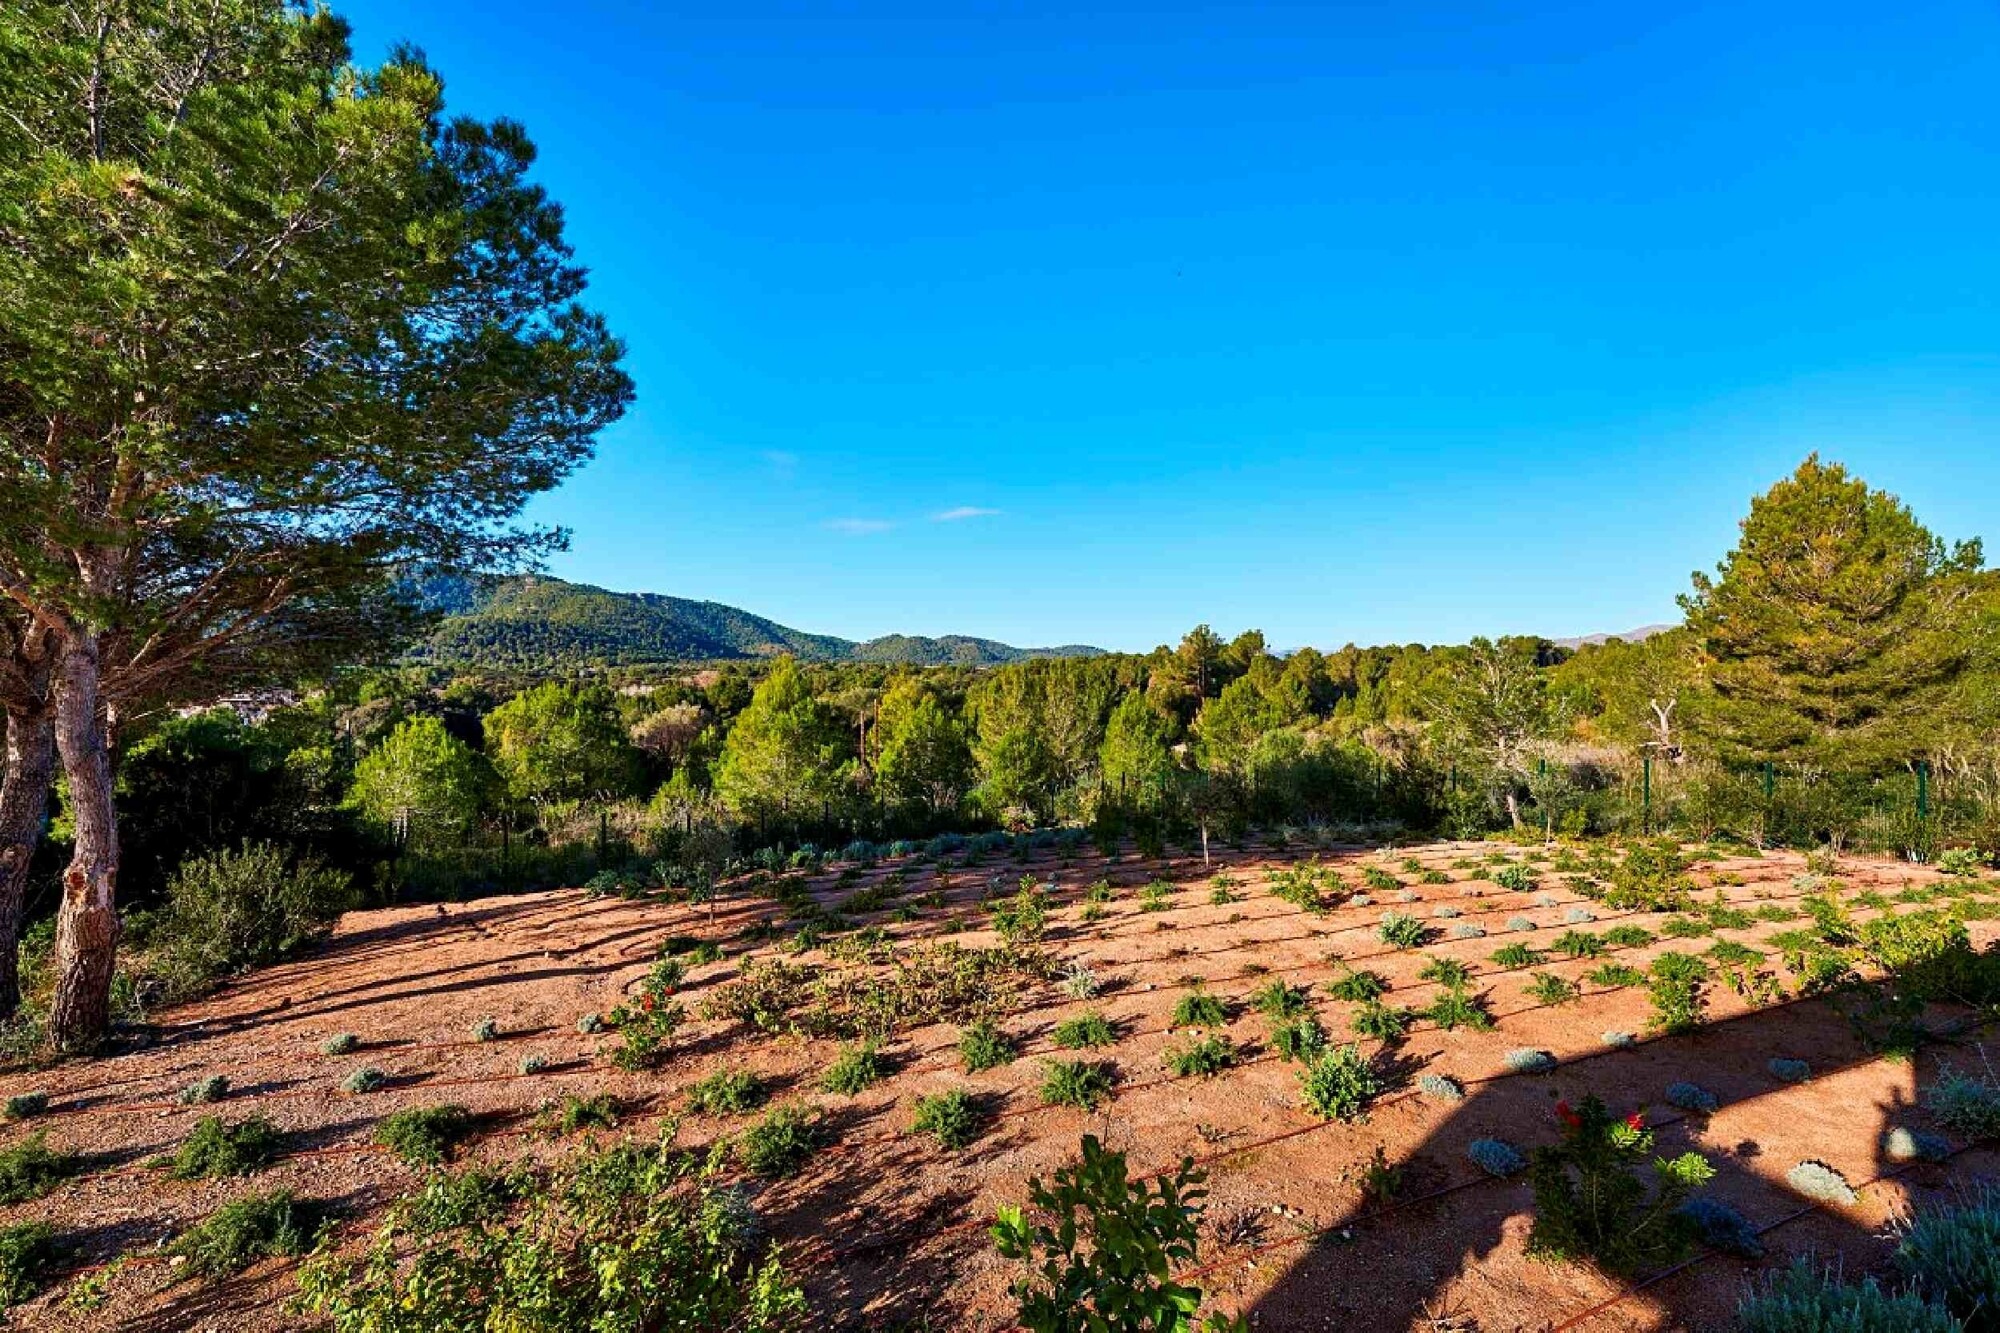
<point x="560" y="743"/>
<point x="272" y="327"/>
<point x="1137" y="758"/>
<point x="1838" y="630"/>
<point x="787" y="755"/>
<point x="1493" y="706"/>
<point x="925" y="763"/>
<point x="423" y="784"/>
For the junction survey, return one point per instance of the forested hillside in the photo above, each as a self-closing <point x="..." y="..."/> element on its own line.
<point x="535" y="622"/>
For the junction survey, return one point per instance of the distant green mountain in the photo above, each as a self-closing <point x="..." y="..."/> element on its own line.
<point x="531" y="621"/>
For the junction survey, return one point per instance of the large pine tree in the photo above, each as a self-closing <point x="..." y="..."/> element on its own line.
<point x="1839" y="629"/>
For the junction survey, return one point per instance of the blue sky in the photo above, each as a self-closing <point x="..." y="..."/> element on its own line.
<point x="1375" y="323"/>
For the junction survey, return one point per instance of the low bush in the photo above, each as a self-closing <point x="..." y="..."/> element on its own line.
<point x="1357" y="986"/>
<point x="236" y="1235"/>
<point x="1692" y="1097"/>
<point x="953" y="1118"/>
<point x="1496" y="1157"/>
<point x="202" y="1091"/>
<point x="1628" y="937"/>
<point x="857" y="1068"/>
<point x="365" y="1080"/>
<point x="1598" y="1197"/>
<point x="728" y="1092"/>
<point x="1199" y="1009"/>
<point x="982" y="1045"/>
<point x="1380" y="1022"/>
<point x="1339" y="1083"/>
<point x="1807" y="1299"/>
<point x="1299" y="1039"/>
<point x="1445" y="972"/>
<point x="1614" y="976"/>
<point x="1528" y="1060"/>
<point x="1903" y="1144"/>
<point x="1454" y="1009"/>
<point x="1817" y="1180"/>
<point x="1966" y="1104"/>
<point x="1676" y="986"/>
<point x="1652" y="878"/>
<point x="1400" y="930"/>
<point x="1578" y="944"/>
<point x="1277" y="1000"/>
<point x="1619" y="1040"/>
<point x="1084" y="1084"/>
<point x="782" y="1142"/>
<point x="26" y="1105"/>
<point x="1721" y="1227"/>
<point x="215" y="1148"/>
<point x="1515" y="878"/>
<point x="30" y="1169"/>
<point x="30" y="1253"/>
<point x="1952" y="1256"/>
<point x="1441" y="1087"/>
<point x="1204" y="1057"/>
<point x="1516" y="956"/>
<point x="1521" y="924"/>
<point x="234" y="910"/>
<point x="626" y="1237"/>
<point x="1085" y="1032"/>
<point x="574" y="1113"/>
<point x="340" y="1043"/>
<point x="1548" y="988"/>
<point x="1789" y="1071"/>
<point x="425" y="1135"/>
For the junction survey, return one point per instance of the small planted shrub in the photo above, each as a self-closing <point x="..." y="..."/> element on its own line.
<point x="982" y="1045"/>
<point x="1380" y="1022"/>
<point x="1454" y="1009"/>
<point x="1298" y="1039"/>
<point x="1515" y="878"/>
<point x="1204" y="1057"/>
<point x="1445" y="972"/>
<point x="1652" y="878"/>
<point x="1528" y="1060"/>
<point x="1806" y="1299"/>
<point x="1085" y="1032"/>
<point x="1084" y="1084"/>
<point x="953" y="1118"/>
<point x="236" y="1235"/>
<point x="364" y="1080"/>
<point x="857" y="1068"/>
<point x="1548" y="988"/>
<point x="1961" y="861"/>
<point x="1902" y="1144"/>
<point x="1515" y="956"/>
<point x="1400" y="930"/>
<point x="1496" y="1157"/>
<point x="26" y="1105"/>
<point x="425" y="1135"/>
<point x="1357" y="986"/>
<point x="1199" y="1009"/>
<point x="1579" y="916"/>
<point x="590" y="1025"/>
<point x="1156" y="897"/>
<point x="1692" y="1097"/>
<point x="1817" y="1180"/>
<point x="1619" y="1040"/>
<point x="201" y="1092"/>
<point x="1467" y="930"/>
<point x="1599" y="1198"/>
<point x="575" y="1113"/>
<point x="1676" y="986"/>
<point x="1578" y="944"/>
<point x="1275" y="999"/>
<point x="214" y="1148"/>
<point x="1628" y="937"/>
<point x="1721" y="1227"/>
<point x="781" y="1143"/>
<point x="1789" y="1071"/>
<point x="1614" y="976"/>
<point x="1080" y="983"/>
<point x="30" y="1253"/>
<point x="728" y="1092"/>
<point x="1966" y="1104"/>
<point x="1521" y="923"/>
<point x="1441" y="1087"/>
<point x="1339" y="1083"/>
<point x="340" y="1043"/>
<point x="1952" y="1256"/>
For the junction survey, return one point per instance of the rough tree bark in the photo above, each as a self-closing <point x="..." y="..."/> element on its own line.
<point x="87" y="925"/>
<point x="26" y="772"/>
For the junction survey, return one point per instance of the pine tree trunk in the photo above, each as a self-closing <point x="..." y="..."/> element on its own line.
<point x="25" y="774"/>
<point x="87" y="924"/>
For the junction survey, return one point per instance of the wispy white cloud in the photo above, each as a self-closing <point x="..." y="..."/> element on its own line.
<point x="961" y="513"/>
<point x="859" y="527"/>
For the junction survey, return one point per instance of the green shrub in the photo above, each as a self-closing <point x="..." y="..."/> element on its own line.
<point x="982" y="1045"/>
<point x="1952" y="1256"/>
<point x="340" y="1043"/>
<point x="26" y="1105"/>
<point x="1578" y="944"/>
<point x="486" y="1029"/>
<point x="233" y="910"/>
<point x="1339" y="1083"/>
<point x="215" y="1148"/>
<point x="1357" y="986"/>
<point x="1547" y="988"/>
<point x="1597" y="1197"/>
<point x="28" y="1170"/>
<point x="1614" y="976"/>
<point x="1515" y="878"/>
<point x="782" y="1142"/>
<point x="1676" y="986"/>
<point x="236" y="1235"/>
<point x="1806" y="1299"/>
<point x="1441" y="1087"/>
<point x="1085" y="1032"/>
<point x="953" y="1118"/>
<point x="364" y="1080"/>
<point x="645" y="1032"/>
<point x="1101" y="1253"/>
<point x="1454" y="1009"/>
<point x="1277" y="1000"/>
<point x="1528" y="1060"/>
<point x="1080" y="1083"/>
<point x="1299" y="1039"/>
<point x="574" y="1113"/>
<point x="425" y="1135"/>
<point x="1966" y="1104"/>
<point x="1203" y="1057"/>
<point x="623" y="1238"/>
<point x="29" y="1256"/>
<point x="1515" y="956"/>
<point x="1400" y="930"/>
<point x="1652" y="878"/>
<point x="1628" y="937"/>
<point x="857" y="1068"/>
<point x="1198" y="1009"/>
<point x="1380" y="1022"/>
<point x="202" y="1091"/>
<point x="1022" y="919"/>
<point x="728" y="1092"/>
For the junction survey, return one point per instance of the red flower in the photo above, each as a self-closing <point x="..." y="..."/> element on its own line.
<point x="1567" y="1116"/>
<point x="1636" y="1121"/>
<point x="646" y="1003"/>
